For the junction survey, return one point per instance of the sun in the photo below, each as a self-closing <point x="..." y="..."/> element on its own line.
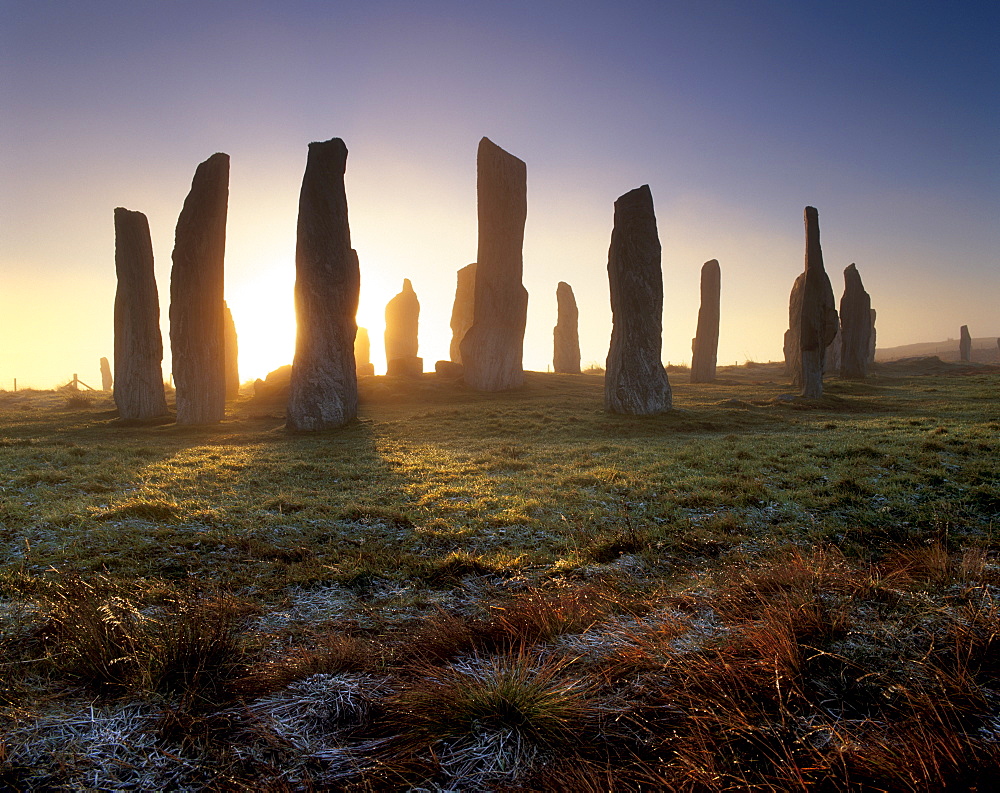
<point x="263" y="309"/>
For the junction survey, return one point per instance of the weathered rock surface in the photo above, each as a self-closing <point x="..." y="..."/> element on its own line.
<point x="492" y="348"/>
<point x="324" y="383"/>
<point x="793" y="355"/>
<point x="856" y="326"/>
<point x="462" y="311"/>
<point x="402" y="319"/>
<point x="138" y="378"/>
<point x="635" y="381"/>
<point x="965" y="344"/>
<point x="107" y="381"/>
<point x="566" y="334"/>
<point x="232" y="355"/>
<point x="197" y="321"/>
<point x="363" y="353"/>
<point x="705" y="346"/>
<point x="819" y="321"/>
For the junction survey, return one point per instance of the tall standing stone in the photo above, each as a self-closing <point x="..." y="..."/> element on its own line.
<point x="492" y="348"/>
<point x="138" y="378"/>
<point x="232" y="348"/>
<point x="793" y="355"/>
<point x="635" y="381"/>
<point x="197" y="317"/>
<point x="871" y="342"/>
<point x="819" y="322"/>
<point x="107" y="381"/>
<point x="705" y="345"/>
<point x="856" y="326"/>
<point x="965" y="344"/>
<point x="324" y="383"/>
<point x="566" y="334"/>
<point x="402" y="319"/>
<point x="363" y="353"/>
<point x="462" y="311"/>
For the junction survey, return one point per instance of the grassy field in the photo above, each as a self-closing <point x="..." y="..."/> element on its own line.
<point x="508" y="592"/>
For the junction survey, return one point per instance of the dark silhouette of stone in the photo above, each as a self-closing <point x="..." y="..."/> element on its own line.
<point x="793" y="355"/>
<point x="856" y="326"/>
<point x="107" y="381"/>
<point x="566" y="334"/>
<point x="362" y="354"/>
<point x="324" y="383"/>
<point x="138" y="378"/>
<point x="232" y="354"/>
<point x="492" y="348"/>
<point x="819" y="321"/>
<point x="635" y="381"/>
<point x="197" y="319"/>
<point x="871" y="342"/>
<point x="965" y="344"/>
<point x="402" y="319"/>
<point x="462" y="311"/>
<point x="705" y="345"/>
<point x="449" y="370"/>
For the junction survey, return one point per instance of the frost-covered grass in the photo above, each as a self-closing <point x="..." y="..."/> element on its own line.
<point x="514" y="590"/>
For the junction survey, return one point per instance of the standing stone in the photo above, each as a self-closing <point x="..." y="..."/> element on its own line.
<point x="856" y="326"/>
<point x="819" y="322"/>
<point x="324" y="383"/>
<point x="793" y="355"/>
<point x="965" y="345"/>
<point x="138" y="378"/>
<point x="402" y="318"/>
<point x="107" y="381"/>
<point x="462" y="311"/>
<point x="705" y="345"/>
<point x="493" y="346"/>
<point x="197" y="317"/>
<point x="871" y="342"/>
<point x="363" y="353"/>
<point x="566" y="353"/>
<point x="831" y="361"/>
<point x="635" y="381"/>
<point x="232" y="354"/>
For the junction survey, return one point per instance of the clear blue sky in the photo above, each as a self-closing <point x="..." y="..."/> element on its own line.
<point x="884" y="115"/>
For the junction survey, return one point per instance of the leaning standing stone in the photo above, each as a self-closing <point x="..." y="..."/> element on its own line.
<point x="819" y="321"/>
<point x="324" y="385"/>
<point x="856" y="326"/>
<point x="138" y="378"/>
<point x="635" y="381"/>
<point x="566" y="334"/>
<point x="462" y="311"/>
<point x="197" y="321"/>
<point x="793" y="355"/>
<point x="871" y="342"/>
<point x="402" y="320"/>
<point x="232" y="355"/>
<point x="965" y="344"/>
<point x="492" y="348"/>
<point x="705" y="346"/>
<point x="107" y="381"/>
<point x="363" y="353"/>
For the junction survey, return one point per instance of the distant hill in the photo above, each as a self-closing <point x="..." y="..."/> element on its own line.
<point x="984" y="350"/>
